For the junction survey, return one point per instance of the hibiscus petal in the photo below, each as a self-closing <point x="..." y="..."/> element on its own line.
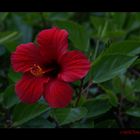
<point x="53" y="43"/>
<point x="29" y="89"/>
<point x="24" y="57"/>
<point x="74" y="66"/>
<point x="58" y="94"/>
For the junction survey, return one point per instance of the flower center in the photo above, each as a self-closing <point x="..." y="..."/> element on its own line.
<point x="36" y="70"/>
<point x="49" y="70"/>
<point x="52" y="69"/>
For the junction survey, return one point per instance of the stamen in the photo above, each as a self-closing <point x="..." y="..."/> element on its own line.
<point x="36" y="70"/>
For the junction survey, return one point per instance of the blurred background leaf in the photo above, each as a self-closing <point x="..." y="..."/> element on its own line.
<point x="9" y="97"/>
<point x="109" y="66"/>
<point x="68" y="115"/>
<point x="24" y="112"/>
<point x="77" y="34"/>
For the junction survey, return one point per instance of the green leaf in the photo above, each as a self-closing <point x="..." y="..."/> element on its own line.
<point x="61" y="16"/>
<point x="114" y="35"/>
<point x="97" y="22"/>
<point x="83" y="124"/>
<point x="128" y="47"/>
<point x="9" y="40"/>
<point x="2" y="50"/>
<point x="129" y="93"/>
<point x="11" y="45"/>
<point x="134" y="27"/>
<point x="8" y="37"/>
<point x="137" y="85"/>
<point x="96" y="107"/>
<point x="81" y="101"/>
<point x="77" y="34"/>
<point x="3" y="16"/>
<point x="68" y="115"/>
<point x="25" y="29"/>
<point x="135" y="112"/>
<point x="109" y="66"/>
<point x="14" y="76"/>
<point x="124" y="87"/>
<point x="9" y="97"/>
<point x="107" y="124"/>
<point x="111" y="96"/>
<point x="118" y="19"/>
<point x="117" y="84"/>
<point x="25" y="112"/>
<point x="1" y="97"/>
<point x="137" y="62"/>
<point x="39" y="122"/>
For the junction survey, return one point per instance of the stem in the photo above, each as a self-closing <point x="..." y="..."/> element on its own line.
<point x="119" y="116"/>
<point x="8" y="118"/>
<point x="96" y="49"/>
<point x="79" y="93"/>
<point x="136" y="72"/>
<point x="78" y="99"/>
<point x="118" y="120"/>
<point x="90" y="83"/>
<point x="101" y="35"/>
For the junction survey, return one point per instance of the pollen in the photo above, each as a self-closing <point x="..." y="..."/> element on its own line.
<point x="36" y="70"/>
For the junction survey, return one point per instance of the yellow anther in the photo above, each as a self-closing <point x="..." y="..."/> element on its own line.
<point x="36" y="70"/>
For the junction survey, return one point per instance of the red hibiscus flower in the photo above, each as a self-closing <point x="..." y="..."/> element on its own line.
<point x="48" y="68"/>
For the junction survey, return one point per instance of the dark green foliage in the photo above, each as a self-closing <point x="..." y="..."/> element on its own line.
<point x="110" y="91"/>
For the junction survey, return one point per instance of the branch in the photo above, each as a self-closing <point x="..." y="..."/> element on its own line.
<point x="88" y="86"/>
<point x="80" y="92"/>
<point x="120" y="117"/>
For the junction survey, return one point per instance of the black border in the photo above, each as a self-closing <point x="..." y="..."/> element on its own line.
<point x="83" y="133"/>
<point x="75" y="6"/>
<point x="67" y="133"/>
<point x="70" y="5"/>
